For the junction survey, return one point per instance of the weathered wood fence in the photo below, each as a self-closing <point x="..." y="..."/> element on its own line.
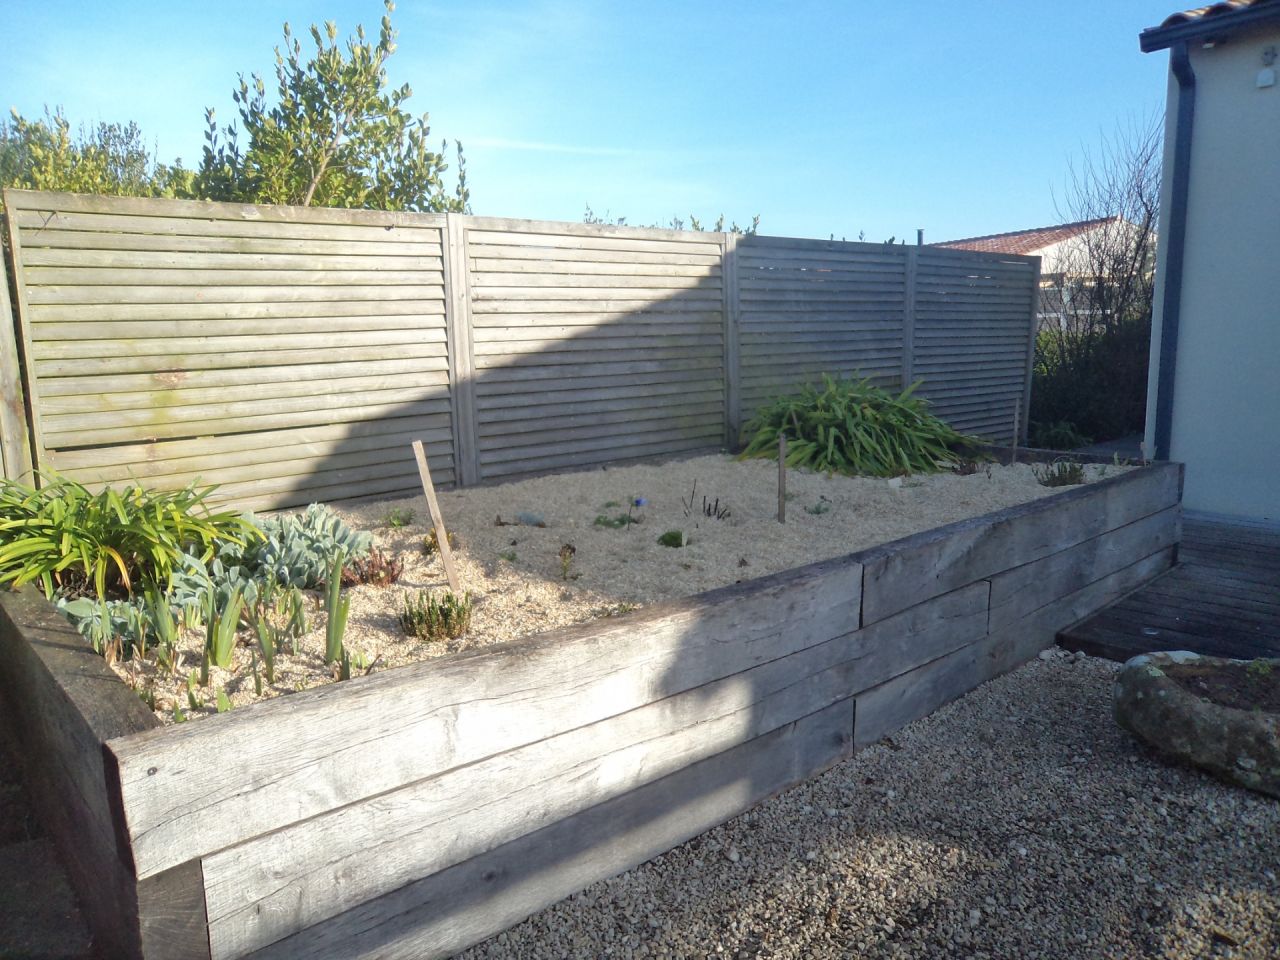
<point x="410" y="813"/>
<point x="290" y="354"/>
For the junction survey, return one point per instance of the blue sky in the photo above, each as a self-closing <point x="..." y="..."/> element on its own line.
<point x="823" y="118"/>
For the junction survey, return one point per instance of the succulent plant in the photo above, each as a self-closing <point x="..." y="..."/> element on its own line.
<point x="429" y="618"/>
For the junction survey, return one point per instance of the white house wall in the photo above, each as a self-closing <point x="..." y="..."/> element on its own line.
<point x="1226" y="411"/>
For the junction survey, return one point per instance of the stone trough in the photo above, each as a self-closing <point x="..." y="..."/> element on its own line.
<point x="1163" y="699"/>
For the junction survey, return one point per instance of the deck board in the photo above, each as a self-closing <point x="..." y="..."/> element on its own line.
<point x="1222" y="599"/>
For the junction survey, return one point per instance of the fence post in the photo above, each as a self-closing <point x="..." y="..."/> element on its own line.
<point x="1031" y="350"/>
<point x="462" y="386"/>
<point x="15" y="449"/>
<point x="909" y="317"/>
<point x="732" y="338"/>
<point x="19" y="416"/>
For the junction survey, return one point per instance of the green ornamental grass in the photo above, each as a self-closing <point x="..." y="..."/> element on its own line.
<point x="62" y="534"/>
<point x="854" y="427"/>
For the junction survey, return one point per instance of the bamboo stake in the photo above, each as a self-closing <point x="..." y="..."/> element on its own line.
<point x="782" y="478"/>
<point x="437" y="518"/>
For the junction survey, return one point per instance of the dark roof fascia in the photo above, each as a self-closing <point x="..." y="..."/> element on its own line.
<point x="1208" y="28"/>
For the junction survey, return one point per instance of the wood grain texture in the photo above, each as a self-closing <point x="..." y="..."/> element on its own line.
<point x="155" y="321"/>
<point x="434" y="716"/>
<point x="448" y="911"/>
<point x="15" y="442"/>
<point x="368" y="849"/>
<point x="63" y="703"/>
<point x="917" y="693"/>
<point x="902" y="573"/>
<point x="652" y="327"/>
<point x="1023" y="590"/>
<point x="173" y="922"/>
<point x="145" y="349"/>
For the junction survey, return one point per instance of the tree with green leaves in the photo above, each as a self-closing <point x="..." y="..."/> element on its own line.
<point x="336" y="135"/>
<point x="676" y="223"/>
<point x="109" y="158"/>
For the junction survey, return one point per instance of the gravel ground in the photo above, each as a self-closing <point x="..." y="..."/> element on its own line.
<point x="1019" y="822"/>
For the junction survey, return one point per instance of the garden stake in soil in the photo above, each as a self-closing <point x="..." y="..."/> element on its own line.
<point x="782" y="478"/>
<point x="1013" y="456"/>
<point x="437" y="519"/>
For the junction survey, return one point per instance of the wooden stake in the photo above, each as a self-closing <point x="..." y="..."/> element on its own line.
<point x="782" y="478"/>
<point x="1017" y="412"/>
<point x="437" y="518"/>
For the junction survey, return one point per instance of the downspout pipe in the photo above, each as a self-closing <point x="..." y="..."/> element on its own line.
<point x="1176" y="237"/>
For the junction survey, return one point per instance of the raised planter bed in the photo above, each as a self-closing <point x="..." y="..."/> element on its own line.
<point x="414" y="812"/>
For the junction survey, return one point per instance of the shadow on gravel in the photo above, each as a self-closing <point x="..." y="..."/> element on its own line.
<point x="1019" y="822"/>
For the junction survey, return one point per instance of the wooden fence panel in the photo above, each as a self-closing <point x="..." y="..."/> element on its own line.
<point x="582" y="359"/>
<point x="972" y="315"/>
<point x="290" y="354"/>
<point x="810" y="307"/>
<point x="15" y="442"/>
<point x="287" y="354"/>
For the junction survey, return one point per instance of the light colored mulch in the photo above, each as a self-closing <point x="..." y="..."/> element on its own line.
<point x="514" y="572"/>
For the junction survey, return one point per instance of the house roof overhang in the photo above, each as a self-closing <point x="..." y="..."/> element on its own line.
<point x="1209" y="24"/>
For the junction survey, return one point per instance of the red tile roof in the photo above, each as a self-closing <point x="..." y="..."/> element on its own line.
<point x="1024" y="241"/>
<point x="1210" y="23"/>
<point x="1212" y="10"/>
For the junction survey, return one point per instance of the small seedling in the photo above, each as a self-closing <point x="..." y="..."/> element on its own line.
<point x="397" y="517"/>
<point x="822" y="506"/>
<point x="1060" y="473"/>
<point x="619" y="609"/>
<point x="431" y="542"/>
<point x="508" y="555"/>
<point x="224" y="702"/>
<point x="567" y="553"/>
<point x="257" y="676"/>
<point x="194" y="701"/>
<point x="338" y="607"/>
<point x="1259" y="669"/>
<point x="615" y="522"/>
<point x="178" y="715"/>
<point x="673" y="538"/>
<point x="267" y="637"/>
<point x="297" y="618"/>
<point x="377" y="569"/>
<point x="429" y="618"/>
<point x="527" y="519"/>
<point x="711" y="510"/>
<point x="220" y="629"/>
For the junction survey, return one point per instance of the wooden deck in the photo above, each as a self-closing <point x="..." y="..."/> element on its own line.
<point x="1222" y="598"/>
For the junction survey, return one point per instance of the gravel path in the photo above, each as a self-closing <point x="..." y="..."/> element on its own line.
<point x="1017" y="823"/>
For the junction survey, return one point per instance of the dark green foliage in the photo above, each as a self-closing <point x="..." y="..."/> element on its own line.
<point x="673" y="538"/>
<point x="1061" y="473"/>
<point x="1090" y="386"/>
<point x="854" y="427"/>
<point x="1061" y="435"/>
<point x="335" y="134"/>
<point x="108" y="542"/>
<point x="106" y="158"/>
<point x="428" y="618"/>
